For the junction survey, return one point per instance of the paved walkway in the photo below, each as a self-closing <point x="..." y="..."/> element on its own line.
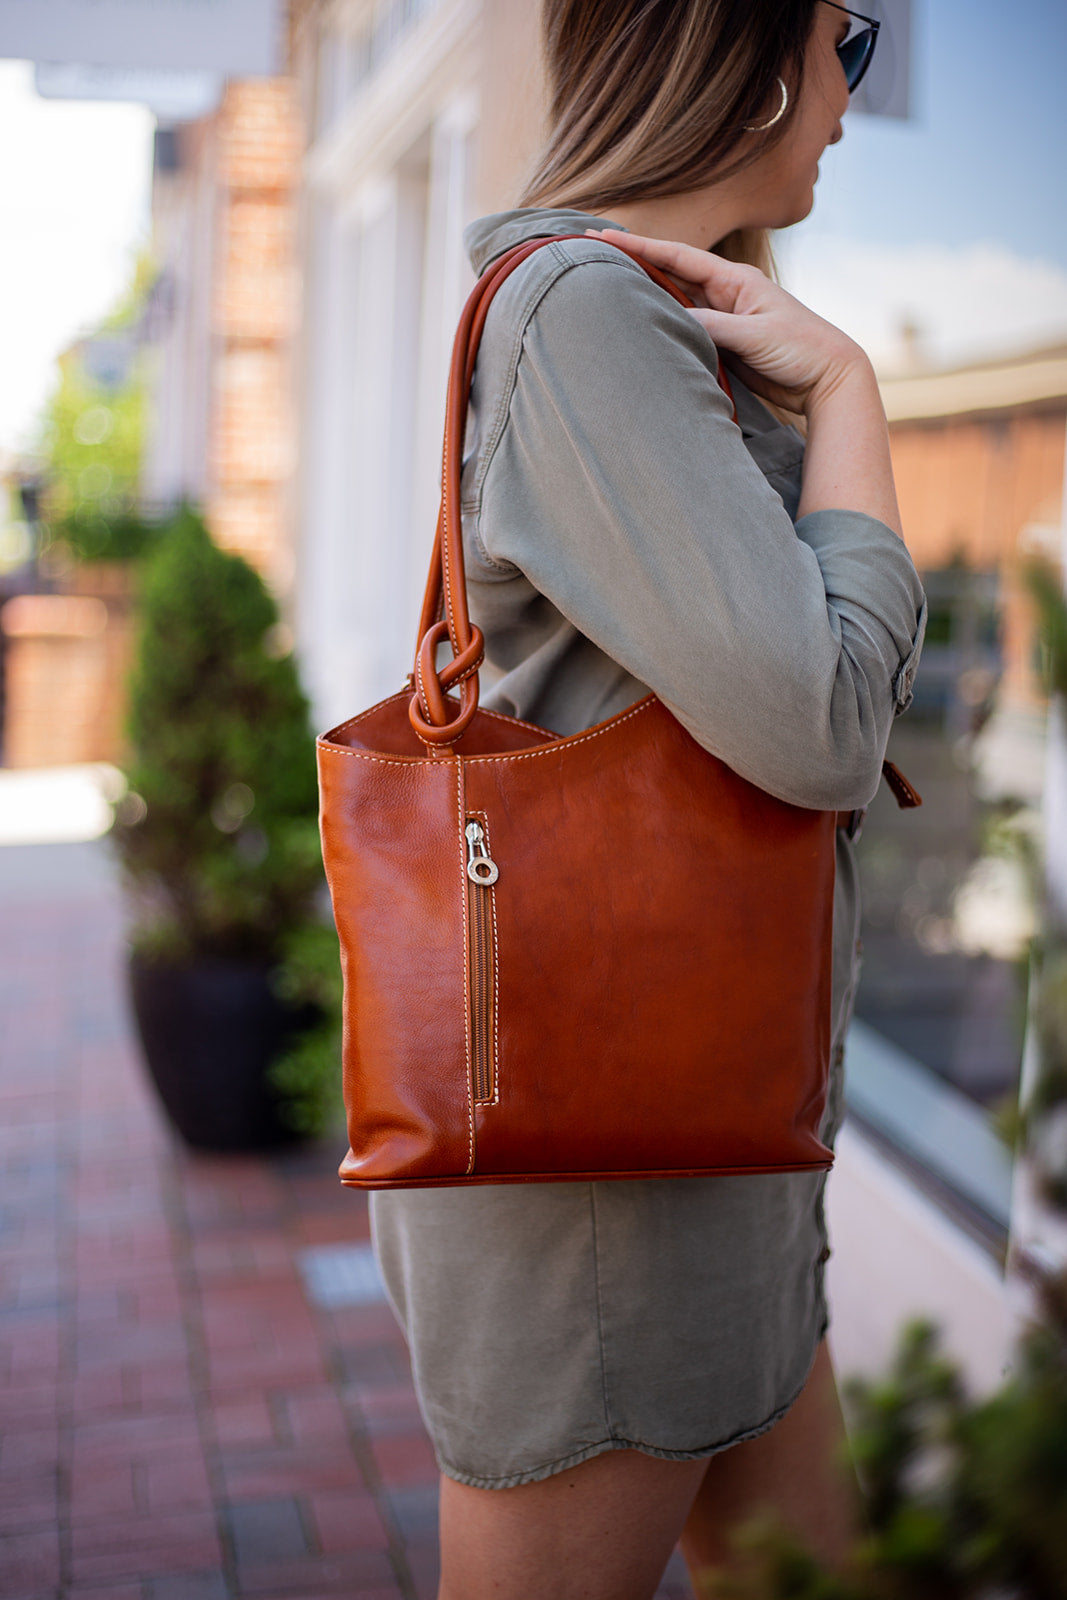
<point x="202" y="1394"/>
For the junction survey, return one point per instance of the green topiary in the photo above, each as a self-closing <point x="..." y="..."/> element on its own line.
<point x="217" y="835"/>
<point x="306" y="1076"/>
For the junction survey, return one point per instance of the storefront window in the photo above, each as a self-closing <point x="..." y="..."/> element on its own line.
<point x="947" y="889"/>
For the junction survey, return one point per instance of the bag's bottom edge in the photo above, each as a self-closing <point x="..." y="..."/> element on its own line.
<point x="462" y="1180"/>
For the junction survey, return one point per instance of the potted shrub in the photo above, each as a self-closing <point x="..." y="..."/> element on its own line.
<point x="218" y="841"/>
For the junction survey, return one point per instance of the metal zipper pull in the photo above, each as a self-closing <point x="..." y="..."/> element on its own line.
<point x="481" y="868"/>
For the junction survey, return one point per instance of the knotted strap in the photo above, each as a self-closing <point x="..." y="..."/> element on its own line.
<point x="436" y="719"/>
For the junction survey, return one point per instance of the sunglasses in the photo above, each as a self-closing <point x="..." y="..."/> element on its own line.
<point x="855" y="52"/>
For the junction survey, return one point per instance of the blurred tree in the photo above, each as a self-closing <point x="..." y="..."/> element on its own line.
<point x="92" y="438"/>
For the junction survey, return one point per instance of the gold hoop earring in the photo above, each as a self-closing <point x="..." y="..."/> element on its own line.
<point x="761" y="127"/>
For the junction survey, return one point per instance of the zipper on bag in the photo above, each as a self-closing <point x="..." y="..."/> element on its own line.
<point x="482" y="873"/>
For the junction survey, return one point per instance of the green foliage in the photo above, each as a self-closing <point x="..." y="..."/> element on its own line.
<point x="1046" y="588"/>
<point x="310" y="974"/>
<point x="1044" y="1114"/>
<point x="93" y="434"/>
<point x="1053" y="1013"/>
<point x="966" y="1500"/>
<point x="899" y="1417"/>
<point x="95" y="441"/>
<point x="93" y="533"/>
<point x="218" y="835"/>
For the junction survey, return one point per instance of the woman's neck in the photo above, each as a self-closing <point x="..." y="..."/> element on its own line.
<point x="699" y="219"/>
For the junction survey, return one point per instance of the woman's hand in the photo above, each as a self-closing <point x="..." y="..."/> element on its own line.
<point x="786" y="353"/>
<point x="791" y="357"/>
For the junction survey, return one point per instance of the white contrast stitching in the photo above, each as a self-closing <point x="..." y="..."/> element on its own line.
<point x="570" y="740"/>
<point x="466" y="972"/>
<point x="444" y="523"/>
<point x="502" y="716"/>
<point x="496" y="997"/>
<point x="327" y="741"/>
<point x="494" y="1098"/>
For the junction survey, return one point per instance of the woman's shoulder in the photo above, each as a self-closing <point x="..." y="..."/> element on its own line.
<point x="580" y="324"/>
<point x="573" y="280"/>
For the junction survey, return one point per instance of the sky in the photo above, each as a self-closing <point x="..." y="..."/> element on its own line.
<point x="955" y="220"/>
<point x="74" y="190"/>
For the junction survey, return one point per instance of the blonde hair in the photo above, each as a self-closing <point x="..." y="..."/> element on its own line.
<point x="650" y="98"/>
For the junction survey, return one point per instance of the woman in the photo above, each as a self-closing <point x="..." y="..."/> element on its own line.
<point x="607" y="1367"/>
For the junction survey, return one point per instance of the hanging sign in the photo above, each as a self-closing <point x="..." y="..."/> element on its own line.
<point x="172" y="96"/>
<point x="886" y="88"/>
<point x="237" y="38"/>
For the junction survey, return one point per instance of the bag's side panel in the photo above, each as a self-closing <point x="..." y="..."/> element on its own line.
<point x="385" y="729"/>
<point x="638" y="878"/>
<point x="393" y="848"/>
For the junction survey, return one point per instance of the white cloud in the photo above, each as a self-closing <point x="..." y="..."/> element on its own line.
<point x="966" y="304"/>
<point x="74" y="192"/>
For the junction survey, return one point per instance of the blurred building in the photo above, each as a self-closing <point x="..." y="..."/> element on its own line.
<point x="420" y="115"/>
<point x="218" y="327"/>
<point x="224" y="207"/>
<point x="978" y="456"/>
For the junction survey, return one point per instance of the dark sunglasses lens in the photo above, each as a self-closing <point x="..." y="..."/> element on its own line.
<point x="855" y="56"/>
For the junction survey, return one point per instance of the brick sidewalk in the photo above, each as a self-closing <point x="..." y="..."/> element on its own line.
<point x="194" y="1405"/>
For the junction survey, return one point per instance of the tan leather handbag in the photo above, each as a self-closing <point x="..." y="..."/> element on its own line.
<point x="602" y="956"/>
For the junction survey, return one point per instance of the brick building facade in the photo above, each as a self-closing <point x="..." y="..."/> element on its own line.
<point x="224" y="215"/>
<point x="978" y="456"/>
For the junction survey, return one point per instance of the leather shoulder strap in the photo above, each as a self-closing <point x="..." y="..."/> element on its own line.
<point x="438" y="722"/>
<point x="445" y="615"/>
<point x="904" y="793"/>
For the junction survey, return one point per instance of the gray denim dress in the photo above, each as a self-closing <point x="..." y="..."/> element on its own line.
<point x="622" y="534"/>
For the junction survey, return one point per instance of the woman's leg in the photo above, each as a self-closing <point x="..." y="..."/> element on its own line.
<point x="798" y="1471"/>
<point x="605" y="1530"/>
<point x="601" y="1531"/>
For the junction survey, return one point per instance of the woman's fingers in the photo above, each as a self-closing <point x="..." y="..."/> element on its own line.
<point x="794" y="351"/>
<point x="682" y="260"/>
<point x="748" y="337"/>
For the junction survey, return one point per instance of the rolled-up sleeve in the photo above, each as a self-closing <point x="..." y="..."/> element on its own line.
<point x="620" y="485"/>
<point x="859" y="558"/>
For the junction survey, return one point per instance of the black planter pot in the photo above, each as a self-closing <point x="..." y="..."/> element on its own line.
<point x="210" y="1032"/>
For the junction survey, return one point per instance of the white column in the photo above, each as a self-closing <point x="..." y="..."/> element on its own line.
<point x="1056" y="769"/>
<point x="331" y="659"/>
<point x="184" y="229"/>
<point x="446" y="282"/>
<point x="388" y="306"/>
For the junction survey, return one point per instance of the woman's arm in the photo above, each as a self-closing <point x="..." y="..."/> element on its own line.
<point x="846" y="463"/>
<point x="613" y="477"/>
<point x="797" y="360"/>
